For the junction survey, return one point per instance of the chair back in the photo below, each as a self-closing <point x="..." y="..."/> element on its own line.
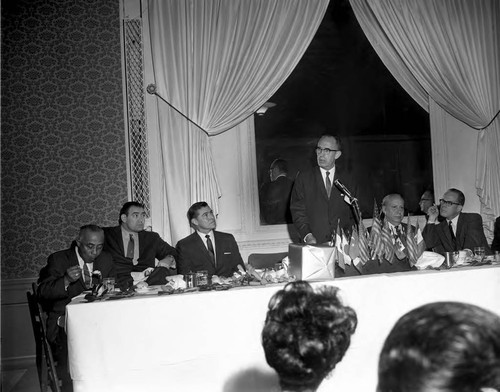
<point x="265" y="260"/>
<point x="47" y="374"/>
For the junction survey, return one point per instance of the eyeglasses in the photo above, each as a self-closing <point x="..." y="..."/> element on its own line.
<point x="448" y="203"/>
<point x="320" y="150"/>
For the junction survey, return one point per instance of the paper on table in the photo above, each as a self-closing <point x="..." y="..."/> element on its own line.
<point x="429" y="259"/>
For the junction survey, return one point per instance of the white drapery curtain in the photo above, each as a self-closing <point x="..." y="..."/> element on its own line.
<point x="447" y="51"/>
<point x="216" y="62"/>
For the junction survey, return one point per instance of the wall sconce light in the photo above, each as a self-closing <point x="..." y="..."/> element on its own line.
<point x="260" y="111"/>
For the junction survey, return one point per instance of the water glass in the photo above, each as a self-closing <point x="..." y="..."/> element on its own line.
<point x="202" y="278"/>
<point x="479" y="252"/>
<point x="109" y="284"/>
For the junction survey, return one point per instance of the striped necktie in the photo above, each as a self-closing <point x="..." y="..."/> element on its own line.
<point x="328" y="184"/>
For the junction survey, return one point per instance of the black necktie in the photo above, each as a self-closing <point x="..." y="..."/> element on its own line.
<point x="328" y="184"/>
<point x="210" y="249"/>
<point x="453" y="238"/>
<point x="130" y="247"/>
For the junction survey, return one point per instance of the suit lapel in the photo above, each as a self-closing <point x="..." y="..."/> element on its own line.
<point x="117" y="233"/>
<point x="444" y="233"/>
<point x="73" y="260"/>
<point x="201" y="246"/>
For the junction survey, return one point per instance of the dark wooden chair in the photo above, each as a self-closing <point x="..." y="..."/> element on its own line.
<point x="265" y="260"/>
<point x="47" y="374"/>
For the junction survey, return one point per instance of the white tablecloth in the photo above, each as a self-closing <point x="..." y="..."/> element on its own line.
<point x="210" y="341"/>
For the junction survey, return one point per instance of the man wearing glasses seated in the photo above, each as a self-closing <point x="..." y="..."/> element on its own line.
<point x="459" y="230"/>
<point x="316" y="203"/>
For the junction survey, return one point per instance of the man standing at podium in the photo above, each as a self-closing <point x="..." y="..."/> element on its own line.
<point x="316" y="203"/>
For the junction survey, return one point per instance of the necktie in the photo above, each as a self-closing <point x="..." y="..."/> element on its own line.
<point x="210" y="249"/>
<point x="453" y="238"/>
<point x="130" y="247"/>
<point x="87" y="279"/>
<point x="328" y="184"/>
<point x="400" y="244"/>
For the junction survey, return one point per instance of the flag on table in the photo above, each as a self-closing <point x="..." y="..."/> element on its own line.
<point x="376" y="244"/>
<point x="338" y="246"/>
<point x="420" y="243"/>
<point x="387" y="241"/>
<point x="411" y="244"/>
<point x="358" y="264"/>
<point x="345" y="248"/>
<point x="364" y="249"/>
<point x="354" y="244"/>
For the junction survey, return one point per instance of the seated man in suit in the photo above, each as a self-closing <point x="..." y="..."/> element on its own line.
<point x="133" y="249"/>
<point x="67" y="274"/>
<point x="459" y="230"/>
<point x="495" y="246"/>
<point x="393" y="207"/>
<point x="207" y="249"/>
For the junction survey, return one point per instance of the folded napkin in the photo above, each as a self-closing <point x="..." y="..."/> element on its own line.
<point x="176" y="282"/>
<point x="429" y="259"/>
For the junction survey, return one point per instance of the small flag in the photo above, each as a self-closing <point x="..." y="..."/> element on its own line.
<point x="411" y="245"/>
<point x="354" y="244"/>
<point x="364" y="249"/>
<point x="338" y="246"/>
<point x="376" y="244"/>
<point x="345" y="248"/>
<point x="358" y="264"/>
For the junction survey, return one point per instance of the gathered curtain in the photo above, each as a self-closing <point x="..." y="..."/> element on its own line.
<point x="215" y="63"/>
<point x="447" y="51"/>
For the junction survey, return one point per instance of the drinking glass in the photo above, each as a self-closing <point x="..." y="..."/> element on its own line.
<point x="109" y="284"/>
<point x="202" y="278"/>
<point x="479" y="252"/>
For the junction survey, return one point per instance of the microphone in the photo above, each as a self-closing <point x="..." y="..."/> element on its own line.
<point x="342" y="188"/>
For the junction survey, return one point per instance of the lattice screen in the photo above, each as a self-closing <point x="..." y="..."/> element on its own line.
<point x="137" y="131"/>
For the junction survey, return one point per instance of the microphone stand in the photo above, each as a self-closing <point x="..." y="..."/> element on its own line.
<point x="352" y="201"/>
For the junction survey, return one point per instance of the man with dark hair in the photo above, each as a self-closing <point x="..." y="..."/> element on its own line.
<point x="207" y="249"/>
<point x="67" y="274"/>
<point x="275" y="195"/>
<point x="134" y="249"/>
<point x="459" y="230"/>
<point x="316" y="204"/>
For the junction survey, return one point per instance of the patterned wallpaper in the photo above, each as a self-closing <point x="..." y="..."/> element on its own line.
<point x="63" y="143"/>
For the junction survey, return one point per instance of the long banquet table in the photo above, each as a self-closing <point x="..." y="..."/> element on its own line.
<point x="210" y="341"/>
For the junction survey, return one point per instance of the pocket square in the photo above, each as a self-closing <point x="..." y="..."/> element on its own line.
<point x="227" y="253"/>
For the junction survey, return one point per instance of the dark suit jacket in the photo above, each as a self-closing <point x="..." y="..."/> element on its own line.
<point x="496" y="236"/>
<point x="193" y="255"/>
<point x="151" y="246"/>
<point x="51" y="290"/>
<point x="275" y="201"/>
<point x="313" y="212"/>
<point x="469" y="234"/>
